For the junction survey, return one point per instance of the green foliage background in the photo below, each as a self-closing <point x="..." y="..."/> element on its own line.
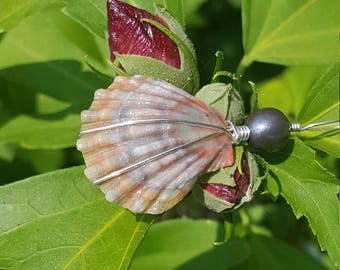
<point x="50" y="52"/>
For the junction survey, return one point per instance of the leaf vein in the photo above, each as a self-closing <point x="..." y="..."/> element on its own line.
<point x="130" y="242"/>
<point x="48" y="215"/>
<point x="93" y="238"/>
<point x="266" y="40"/>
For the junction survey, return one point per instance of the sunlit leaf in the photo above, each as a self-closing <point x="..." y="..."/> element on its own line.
<point x="46" y="36"/>
<point x="13" y="12"/>
<point x="176" y="9"/>
<point x="287" y="91"/>
<point x="90" y="14"/>
<point x="35" y="133"/>
<point x="61" y="80"/>
<point x="307" y="95"/>
<point x="47" y="61"/>
<point x="59" y="221"/>
<point x="322" y="104"/>
<point x="311" y="191"/>
<point x="303" y="32"/>
<point x="7" y="152"/>
<point x="189" y="245"/>
<point x="47" y="105"/>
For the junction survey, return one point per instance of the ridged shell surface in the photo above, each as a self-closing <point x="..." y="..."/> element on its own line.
<point x="143" y="164"/>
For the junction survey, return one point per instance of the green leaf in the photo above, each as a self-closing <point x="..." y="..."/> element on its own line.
<point x="216" y="95"/>
<point x="185" y="244"/>
<point x="7" y="152"/>
<point x="46" y="36"/>
<point x="89" y="14"/>
<point x="270" y="253"/>
<point x="276" y="218"/>
<point x="47" y="61"/>
<point x="13" y="12"/>
<point x="225" y="99"/>
<point x="322" y="101"/>
<point x="43" y="160"/>
<point x="321" y="104"/>
<point x="305" y="32"/>
<point x="48" y="105"/>
<point x="92" y="16"/>
<point x="175" y="8"/>
<point x="60" y="221"/>
<point x="287" y="91"/>
<point x="135" y="64"/>
<point x="311" y="191"/>
<point x="193" y="16"/>
<point x="61" y="80"/>
<point x="35" y="133"/>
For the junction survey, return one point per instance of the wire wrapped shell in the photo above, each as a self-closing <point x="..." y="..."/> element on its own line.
<point x="146" y="142"/>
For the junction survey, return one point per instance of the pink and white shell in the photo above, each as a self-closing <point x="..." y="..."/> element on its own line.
<point x="145" y="165"/>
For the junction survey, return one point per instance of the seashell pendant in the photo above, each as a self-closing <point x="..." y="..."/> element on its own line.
<point x="145" y="142"/>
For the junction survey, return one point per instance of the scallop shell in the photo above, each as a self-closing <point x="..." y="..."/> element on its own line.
<point x="146" y="142"/>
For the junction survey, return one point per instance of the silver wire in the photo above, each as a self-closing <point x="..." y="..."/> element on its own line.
<point x="238" y="133"/>
<point x="296" y="127"/>
<point x="152" y="158"/>
<point x="152" y="121"/>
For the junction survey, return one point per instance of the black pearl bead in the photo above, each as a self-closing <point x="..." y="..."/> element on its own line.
<point x="269" y="129"/>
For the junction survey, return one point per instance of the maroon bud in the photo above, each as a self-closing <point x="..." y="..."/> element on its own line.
<point x="129" y="34"/>
<point x="228" y="188"/>
<point x="232" y="194"/>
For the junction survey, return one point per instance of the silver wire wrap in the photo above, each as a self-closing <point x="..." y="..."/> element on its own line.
<point x="238" y="133"/>
<point x="296" y="127"/>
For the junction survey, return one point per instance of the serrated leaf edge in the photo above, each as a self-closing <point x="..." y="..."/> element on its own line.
<point x="299" y="214"/>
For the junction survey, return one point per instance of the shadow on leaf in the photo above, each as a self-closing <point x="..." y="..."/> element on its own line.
<point x="64" y="80"/>
<point x="280" y="155"/>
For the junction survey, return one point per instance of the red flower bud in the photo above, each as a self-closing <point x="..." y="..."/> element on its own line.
<point x="232" y="194"/>
<point x="229" y="188"/>
<point x="129" y="34"/>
